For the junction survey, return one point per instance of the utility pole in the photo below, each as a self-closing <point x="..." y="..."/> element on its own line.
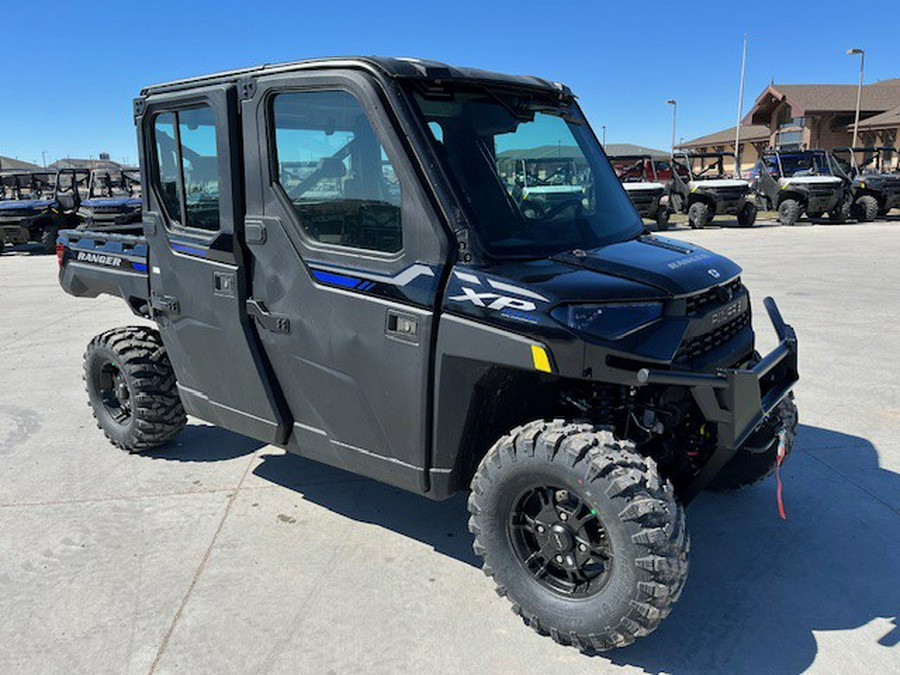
<point x="862" y="65"/>
<point x="672" y="102"/>
<point x="737" y="126"/>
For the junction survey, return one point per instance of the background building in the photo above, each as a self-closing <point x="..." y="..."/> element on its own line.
<point x="794" y="116"/>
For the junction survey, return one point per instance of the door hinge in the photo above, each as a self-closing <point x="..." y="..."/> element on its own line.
<point x="274" y="323"/>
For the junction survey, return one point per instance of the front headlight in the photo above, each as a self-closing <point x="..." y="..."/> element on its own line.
<point x="608" y="321"/>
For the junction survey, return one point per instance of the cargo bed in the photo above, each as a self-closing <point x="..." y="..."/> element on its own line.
<point x="93" y="262"/>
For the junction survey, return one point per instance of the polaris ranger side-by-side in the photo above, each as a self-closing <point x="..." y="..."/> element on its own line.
<point x="112" y="199"/>
<point x="702" y="187"/>
<point x="336" y="265"/>
<point x="875" y="187"/>
<point x="647" y="192"/>
<point x="801" y="181"/>
<point x="35" y="206"/>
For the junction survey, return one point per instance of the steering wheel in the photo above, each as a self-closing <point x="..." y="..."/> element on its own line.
<point x="562" y="206"/>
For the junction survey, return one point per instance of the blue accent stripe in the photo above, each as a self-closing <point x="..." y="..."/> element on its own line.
<point x="181" y="248"/>
<point x="140" y="267"/>
<point x="335" y="279"/>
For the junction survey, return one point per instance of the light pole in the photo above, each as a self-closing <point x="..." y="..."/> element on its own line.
<point x="862" y="65"/>
<point x="44" y="158"/>
<point x="672" y="102"/>
<point x="604" y="135"/>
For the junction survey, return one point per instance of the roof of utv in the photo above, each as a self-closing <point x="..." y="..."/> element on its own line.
<point x="393" y="67"/>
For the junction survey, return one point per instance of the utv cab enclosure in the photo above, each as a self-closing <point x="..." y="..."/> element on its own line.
<point x="113" y="199"/>
<point x="339" y="261"/>
<point x="644" y="188"/>
<point x="801" y="181"/>
<point x="702" y="187"/>
<point x="875" y="186"/>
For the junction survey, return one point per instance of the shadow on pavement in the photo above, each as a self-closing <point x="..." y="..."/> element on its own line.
<point x="440" y="525"/>
<point x="206" y="443"/>
<point x="759" y="587"/>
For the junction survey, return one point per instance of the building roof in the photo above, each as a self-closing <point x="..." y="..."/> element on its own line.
<point x="7" y="163"/>
<point x="749" y="132"/>
<point x="76" y="163"/>
<point x="615" y="149"/>
<point x="823" y="98"/>
<point x="886" y="120"/>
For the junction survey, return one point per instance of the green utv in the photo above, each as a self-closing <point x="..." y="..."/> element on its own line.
<point x="875" y="186"/>
<point x="701" y="186"/>
<point x="339" y="261"/>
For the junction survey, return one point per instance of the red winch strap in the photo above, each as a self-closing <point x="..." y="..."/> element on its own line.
<point x="778" y="461"/>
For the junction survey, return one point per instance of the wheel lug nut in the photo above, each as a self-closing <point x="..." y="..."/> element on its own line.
<point x="540" y="529"/>
<point x="563" y="516"/>
<point x="582" y="547"/>
<point x="559" y="558"/>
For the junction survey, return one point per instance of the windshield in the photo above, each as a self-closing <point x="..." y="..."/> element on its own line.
<point x="800" y="164"/>
<point x="531" y="172"/>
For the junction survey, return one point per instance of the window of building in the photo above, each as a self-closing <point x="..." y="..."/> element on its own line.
<point x="187" y="167"/>
<point x="335" y="173"/>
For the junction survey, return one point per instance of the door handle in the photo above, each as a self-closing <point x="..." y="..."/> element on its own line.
<point x="274" y="323"/>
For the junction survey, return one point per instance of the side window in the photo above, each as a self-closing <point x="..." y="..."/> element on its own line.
<point x="338" y="178"/>
<point x="187" y="169"/>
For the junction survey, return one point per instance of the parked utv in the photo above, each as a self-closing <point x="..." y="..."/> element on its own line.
<point x="29" y="210"/>
<point x="801" y="181"/>
<point x="541" y="182"/>
<point x="647" y="192"/>
<point x="875" y="187"/>
<point x="113" y="199"/>
<point x="390" y="306"/>
<point x="701" y="187"/>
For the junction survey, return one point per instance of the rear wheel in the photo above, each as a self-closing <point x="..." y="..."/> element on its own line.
<point x="756" y="459"/>
<point x="699" y="215"/>
<point x="131" y="388"/>
<point x="662" y="218"/>
<point x="48" y="238"/>
<point x="789" y="212"/>
<point x="747" y="215"/>
<point x="865" y="209"/>
<point x="580" y="532"/>
<point x="840" y="213"/>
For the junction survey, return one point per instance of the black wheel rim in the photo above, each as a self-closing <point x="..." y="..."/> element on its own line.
<point x="115" y="393"/>
<point x="560" y="541"/>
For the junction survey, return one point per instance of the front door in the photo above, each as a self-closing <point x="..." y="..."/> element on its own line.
<point x="197" y="286"/>
<point x="347" y="258"/>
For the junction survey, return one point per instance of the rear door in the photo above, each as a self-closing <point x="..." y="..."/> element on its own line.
<point x="347" y="258"/>
<point x="197" y="280"/>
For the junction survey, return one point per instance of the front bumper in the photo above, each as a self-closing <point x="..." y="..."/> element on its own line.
<point x="736" y="400"/>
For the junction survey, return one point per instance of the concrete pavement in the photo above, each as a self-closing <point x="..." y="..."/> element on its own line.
<point x="219" y="554"/>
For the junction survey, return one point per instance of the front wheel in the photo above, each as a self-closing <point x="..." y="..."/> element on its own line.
<point x="662" y="218"/>
<point x="131" y="388"/>
<point x="789" y="212"/>
<point x="580" y="532"/>
<point x="747" y="215"/>
<point x="699" y="215"/>
<point x="865" y="209"/>
<point x="48" y="238"/>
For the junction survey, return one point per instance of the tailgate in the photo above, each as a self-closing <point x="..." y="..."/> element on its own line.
<point x="92" y="263"/>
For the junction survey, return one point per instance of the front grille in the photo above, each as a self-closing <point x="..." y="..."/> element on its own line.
<point x="695" y="303"/>
<point x="15" y="213"/>
<point x="702" y="344"/>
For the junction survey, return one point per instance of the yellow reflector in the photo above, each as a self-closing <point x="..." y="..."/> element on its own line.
<point x="540" y="358"/>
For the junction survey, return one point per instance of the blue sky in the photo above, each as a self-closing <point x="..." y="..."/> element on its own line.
<point x="70" y="73"/>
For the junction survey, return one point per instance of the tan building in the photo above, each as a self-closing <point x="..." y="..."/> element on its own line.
<point x="754" y="139"/>
<point x="794" y="116"/>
